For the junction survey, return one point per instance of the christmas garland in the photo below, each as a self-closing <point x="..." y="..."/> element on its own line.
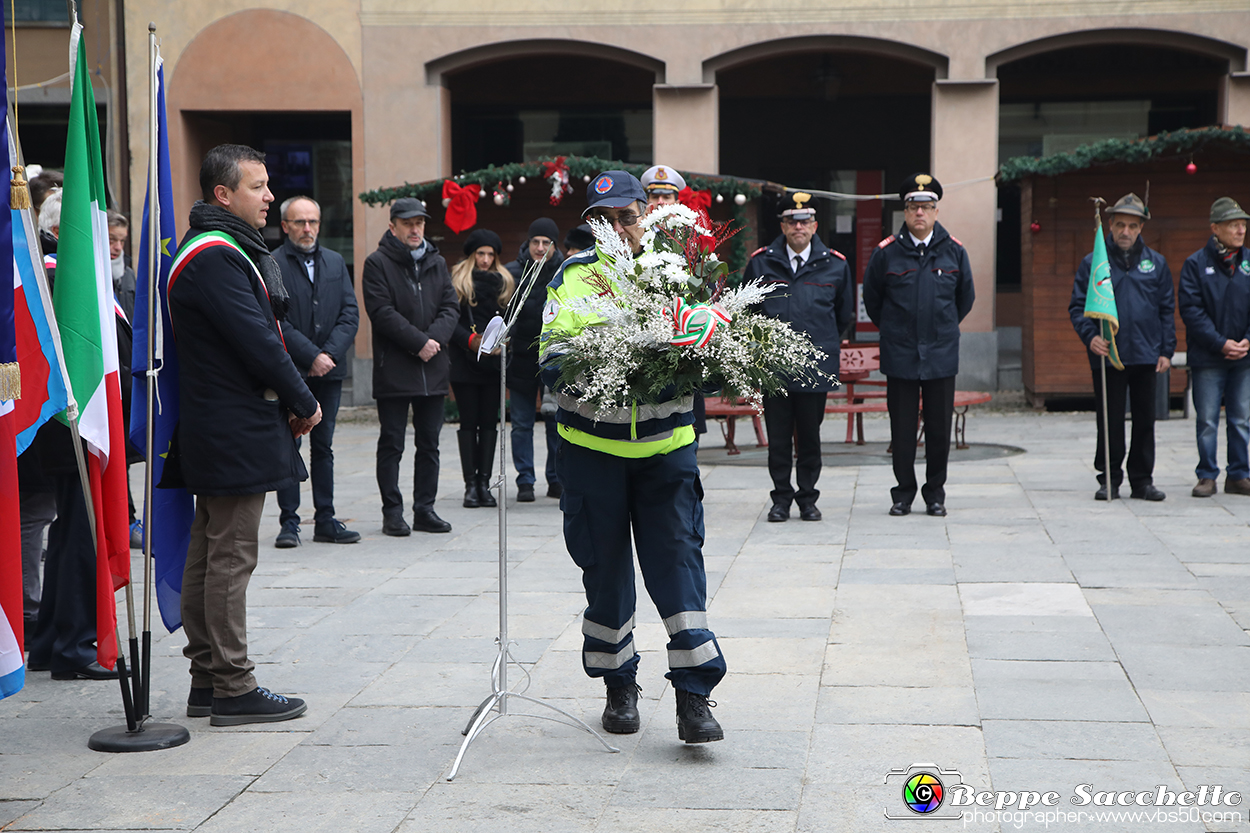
<point x="1179" y="143"/>
<point x="499" y="180"/>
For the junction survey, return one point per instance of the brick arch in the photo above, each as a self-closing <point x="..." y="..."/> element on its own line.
<point x="215" y="70"/>
<point x="764" y="50"/>
<point x="1163" y="38"/>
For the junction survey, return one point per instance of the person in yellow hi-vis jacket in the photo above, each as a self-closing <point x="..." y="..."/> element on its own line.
<point x="633" y="470"/>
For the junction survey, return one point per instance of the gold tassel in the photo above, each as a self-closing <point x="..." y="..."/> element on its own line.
<point x="19" y="193"/>
<point x="10" y="381"/>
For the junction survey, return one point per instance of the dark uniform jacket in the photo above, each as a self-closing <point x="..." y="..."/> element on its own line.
<point x="523" y="341"/>
<point x="917" y="302"/>
<point x="1215" y="305"/>
<point x="465" y="365"/>
<point x="321" y="316"/>
<point x="1145" y="302"/>
<point x="408" y="304"/>
<point x="236" y="383"/>
<point x="819" y="300"/>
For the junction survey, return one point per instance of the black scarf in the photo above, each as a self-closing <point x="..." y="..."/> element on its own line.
<point x="205" y="217"/>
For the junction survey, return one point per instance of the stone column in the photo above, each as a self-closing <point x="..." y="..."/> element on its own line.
<point x="1235" y="99"/>
<point x="964" y="155"/>
<point x="687" y="127"/>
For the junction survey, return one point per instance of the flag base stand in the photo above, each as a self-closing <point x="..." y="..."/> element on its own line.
<point x="147" y="738"/>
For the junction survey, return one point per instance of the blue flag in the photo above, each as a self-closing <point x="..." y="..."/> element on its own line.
<point x="172" y="510"/>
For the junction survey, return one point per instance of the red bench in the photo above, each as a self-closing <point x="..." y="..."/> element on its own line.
<point x="859" y="395"/>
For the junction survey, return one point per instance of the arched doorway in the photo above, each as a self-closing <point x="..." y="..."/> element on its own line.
<point x="525" y="100"/>
<point x="850" y="115"/>
<point x="306" y="117"/>
<point x="1059" y="93"/>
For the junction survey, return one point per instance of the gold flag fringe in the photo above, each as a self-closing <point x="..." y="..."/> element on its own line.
<point x="19" y="193"/>
<point x="10" y="381"/>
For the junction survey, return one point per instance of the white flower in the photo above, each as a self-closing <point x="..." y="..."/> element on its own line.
<point x="671" y="215"/>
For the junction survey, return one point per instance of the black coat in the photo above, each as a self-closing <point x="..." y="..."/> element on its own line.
<point x="819" y="300"/>
<point x="408" y="307"/>
<point x="1215" y="305"/>
<point x="1144" y="299"/>
<point x="917" y="303"/>
<point x="321" y="316"/>
<point x="523" y="340"/>
<point x="465" y="364"/>
<point x="236" y="383"/>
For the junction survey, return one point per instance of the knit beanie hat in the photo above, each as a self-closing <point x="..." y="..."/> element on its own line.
<point x="580" y="237"/>
<point x="545" y="227"/>
<point x="482" y="237"/>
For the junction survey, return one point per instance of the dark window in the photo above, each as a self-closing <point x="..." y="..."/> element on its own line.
<point x="40" y="11"/>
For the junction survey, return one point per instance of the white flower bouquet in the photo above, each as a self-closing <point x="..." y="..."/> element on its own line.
<point x="669" y="325"/>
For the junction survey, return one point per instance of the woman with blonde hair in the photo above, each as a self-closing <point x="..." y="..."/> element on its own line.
<point x="483" y="288"/>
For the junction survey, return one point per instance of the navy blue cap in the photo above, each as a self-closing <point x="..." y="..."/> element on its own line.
<point x="613" y="189"/>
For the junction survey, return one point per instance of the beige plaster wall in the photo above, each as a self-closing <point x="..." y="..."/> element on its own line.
<point x="964" y="151"/>
<point x="687" y="128"/>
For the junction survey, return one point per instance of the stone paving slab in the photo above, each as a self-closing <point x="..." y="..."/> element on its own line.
<point x="1033" y="639"/>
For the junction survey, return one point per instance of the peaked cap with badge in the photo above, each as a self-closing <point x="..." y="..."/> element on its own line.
<point x="662" y="178"/>
<point x="798" y="208"/>
<point x="920" y="188"/>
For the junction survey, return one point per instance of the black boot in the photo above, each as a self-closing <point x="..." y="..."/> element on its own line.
<point x="485" y="464"/>
<point x="695" y="723"/>
<point x="620" y="715"/>
<point x="468" y="467"/>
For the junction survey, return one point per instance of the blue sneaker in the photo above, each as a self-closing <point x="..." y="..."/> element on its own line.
<point x="136" y="535"/>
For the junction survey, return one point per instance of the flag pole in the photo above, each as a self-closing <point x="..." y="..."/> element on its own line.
<point x="145" y="736"/>
<point x="1106" y="431"/>
<point x="150" y="375"/>
<point x="128" y="704"/>
<point x="1106" y="434"/>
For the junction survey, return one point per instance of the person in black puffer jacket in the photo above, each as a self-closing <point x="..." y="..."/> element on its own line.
<point x="407" y="292"/>
<point x="523" y="383"/>
<point x="483" y="288"/>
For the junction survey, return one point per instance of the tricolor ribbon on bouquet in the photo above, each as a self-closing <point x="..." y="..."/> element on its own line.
<point x="461" y="204"/>
<point x="695" y="323"/>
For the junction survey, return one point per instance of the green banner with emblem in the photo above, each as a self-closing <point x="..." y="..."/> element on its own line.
<point x="1100" y="297"/>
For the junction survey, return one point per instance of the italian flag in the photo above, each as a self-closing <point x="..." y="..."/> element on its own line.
<point x="82" y="298"/>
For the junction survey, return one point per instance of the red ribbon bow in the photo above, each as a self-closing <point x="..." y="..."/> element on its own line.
<point x="462" y="210"/>
<point x="695" y="199"/>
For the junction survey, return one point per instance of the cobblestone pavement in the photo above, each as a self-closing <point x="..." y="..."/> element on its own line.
<point x="1033" y="640"/>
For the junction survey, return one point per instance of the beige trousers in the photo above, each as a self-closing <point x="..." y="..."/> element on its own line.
<point x="220" y="561"/>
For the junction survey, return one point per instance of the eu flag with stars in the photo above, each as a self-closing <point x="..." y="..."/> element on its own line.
<point x="172" y="510"/>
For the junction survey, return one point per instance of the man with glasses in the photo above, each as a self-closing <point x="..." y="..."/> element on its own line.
<point x="319" y="328"/>
<point x="917" y="288"/>
<point x="631" y="471"/>
<point x="815" y="294"/>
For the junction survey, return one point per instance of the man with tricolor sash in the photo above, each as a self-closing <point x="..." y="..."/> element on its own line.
<point x="242" y="404"/>
<point x="1122" y="308"/>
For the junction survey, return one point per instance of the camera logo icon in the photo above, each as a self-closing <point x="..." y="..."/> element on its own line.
<point x="923" y="789"/>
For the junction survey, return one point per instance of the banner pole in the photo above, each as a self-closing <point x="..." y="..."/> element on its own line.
<point x="142" y="736"/>
<point x="1106" y="433"/>
<point x="150" y="378"/>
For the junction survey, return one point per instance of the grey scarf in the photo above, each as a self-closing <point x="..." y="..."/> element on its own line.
<point x="205" y="217"/>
